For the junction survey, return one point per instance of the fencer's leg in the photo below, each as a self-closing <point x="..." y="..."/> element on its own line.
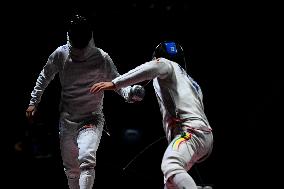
<point x="73" y="182"/>
<point x="88" y="142"/>
<point x="169" y="184"/>
<point x="180" y="181"/>
<point x="87" y="178"/>
<point x="178" y="159"/>
<point x="69" y="154"/>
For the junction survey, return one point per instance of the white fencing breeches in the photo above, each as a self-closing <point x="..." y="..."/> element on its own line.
<point x="79" y="143"/>
<point x="181" y="154"/>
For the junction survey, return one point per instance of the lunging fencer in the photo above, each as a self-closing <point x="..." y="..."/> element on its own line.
<point x="80" y="64"/>
<point x="189" y="134"/>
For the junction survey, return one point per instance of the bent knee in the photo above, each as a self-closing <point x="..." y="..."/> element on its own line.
<point x="87" y="162"/>
<point x="172" y="167"/>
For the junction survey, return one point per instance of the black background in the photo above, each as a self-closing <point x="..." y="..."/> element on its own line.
<point x="233" y="51"/>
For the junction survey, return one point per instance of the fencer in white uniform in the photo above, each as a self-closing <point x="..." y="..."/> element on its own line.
<point x="79" y="64"/>
<point x="180" y="99"/>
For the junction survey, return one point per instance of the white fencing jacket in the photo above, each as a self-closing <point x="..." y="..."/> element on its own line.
<point x="178" y="95"/>
<point x="78" y="71"/>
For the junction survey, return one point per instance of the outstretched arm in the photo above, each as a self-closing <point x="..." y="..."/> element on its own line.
<point x="136" y="92"/>
<point x="160" y="68"/>
<point x="129" y="93"/>
<point x="146" y="71"/>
